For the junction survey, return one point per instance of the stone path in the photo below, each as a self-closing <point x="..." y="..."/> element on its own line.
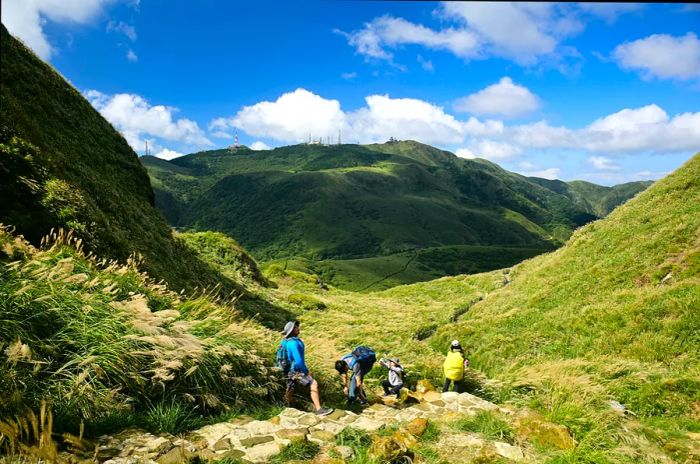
<point x="257" y="441"/>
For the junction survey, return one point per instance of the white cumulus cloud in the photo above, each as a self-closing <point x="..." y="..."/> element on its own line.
<point x="26" y="18"/>
<point x="167" y="154"/>
<point x="549" y="173"/>
<point x="603" y="163"/>
<point x="494" y="151"/>
<point x="389" y="32"/>
<point x="259" y="145"/>
<point x="503" y="98"/>
<point x="135" y="118"/>
<point x="662" y="56"/>
<point x="295" y="115"/>
<point x="403" y="118"/>
<point x="290" y="118"/>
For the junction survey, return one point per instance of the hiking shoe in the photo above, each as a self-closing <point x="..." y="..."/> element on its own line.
<point x="324" y="411"/>
<point x="363" y="402"/>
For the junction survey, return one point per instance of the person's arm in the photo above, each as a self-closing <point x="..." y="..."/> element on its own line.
<point x="294" y="350"/>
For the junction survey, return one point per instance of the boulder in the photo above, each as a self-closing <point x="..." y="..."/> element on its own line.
<point x="424" y="385"/>
<point x="417" y="427"/>
<point x="536" y="429"/>
<point x="405" y="439"/>
<point x="385" y="449"/>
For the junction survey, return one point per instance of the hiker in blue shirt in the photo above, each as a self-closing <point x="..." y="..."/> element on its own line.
<point x="298" y="372"/>
<point x="359" y="362"/>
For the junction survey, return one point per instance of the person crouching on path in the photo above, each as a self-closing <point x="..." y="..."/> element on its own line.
<point x="454" y="366"/>
<point x="359" y="363"/>
<point x="393" y="385"/>
<point x="298" y="372"/>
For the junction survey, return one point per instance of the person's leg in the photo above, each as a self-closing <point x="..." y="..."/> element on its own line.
<point x="446" y="387"/>
<point x="315" y="398"/>
<point x="289" y="392"/>
<point x="386" y="385"/>
<point x="396" y="389"/>
<point x="352" y="390"/>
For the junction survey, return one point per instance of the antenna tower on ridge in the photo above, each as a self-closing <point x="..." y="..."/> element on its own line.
<point x="235" y="138"/>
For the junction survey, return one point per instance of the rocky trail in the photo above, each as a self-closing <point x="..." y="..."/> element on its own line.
<point x="395" y="430"/>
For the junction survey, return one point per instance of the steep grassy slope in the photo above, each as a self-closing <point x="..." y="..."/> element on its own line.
<point x="109" y="347"/>
<point x="63" y="165"/>
<point x="613" y="315"/>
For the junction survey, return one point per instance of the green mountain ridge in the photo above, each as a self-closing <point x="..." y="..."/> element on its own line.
<point x="370" y="204"/>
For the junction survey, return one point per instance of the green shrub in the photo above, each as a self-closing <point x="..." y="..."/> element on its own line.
<point x="306" y="302"/>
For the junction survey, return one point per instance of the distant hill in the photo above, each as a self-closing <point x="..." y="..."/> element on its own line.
<point x="359" y="202"/>
<point x="63" y="165"/>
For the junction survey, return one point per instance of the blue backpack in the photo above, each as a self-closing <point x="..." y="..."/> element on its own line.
<point x="282" y="360"/>
<point x="364" y="355"/>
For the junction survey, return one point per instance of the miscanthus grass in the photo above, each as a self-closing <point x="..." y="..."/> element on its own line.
<point x="99" y="339"/>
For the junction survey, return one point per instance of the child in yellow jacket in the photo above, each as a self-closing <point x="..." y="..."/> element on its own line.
<point x="454" y="366"/>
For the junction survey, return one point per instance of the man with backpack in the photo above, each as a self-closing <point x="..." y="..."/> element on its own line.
<point x="291" y="360"/>
<point x="359" y="363"/>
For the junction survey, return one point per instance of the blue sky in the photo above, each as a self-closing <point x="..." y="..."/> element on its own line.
<point x="602" y="92"/>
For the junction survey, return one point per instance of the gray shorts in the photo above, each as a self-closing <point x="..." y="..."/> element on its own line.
<point x="298" y="378"/>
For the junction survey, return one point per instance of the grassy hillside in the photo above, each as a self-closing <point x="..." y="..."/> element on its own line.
<point x="610" y="316"/>
<point x="63" y="165"/>
<point x="362" y="208"/>
<point x="109" y="347"/>
<point x="383" y="272"/>
<point x="595" y="199"/>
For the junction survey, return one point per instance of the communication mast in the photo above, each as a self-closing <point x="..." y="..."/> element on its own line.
<point x="235" y="139"/>
<point x="147" y="153"/>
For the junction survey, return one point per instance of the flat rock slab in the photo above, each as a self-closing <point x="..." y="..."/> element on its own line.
<point x="262" y="453"/>
<point x="337" y="414"/>
<point x="261" y="427"/>
<point x="253" y="441"/>
<point x="367" y="424"/>
<point x="511" y="452"/>
<point x="309" y="419"/>
<point x="322" y="436"/>
<point x="293" y="435"/>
